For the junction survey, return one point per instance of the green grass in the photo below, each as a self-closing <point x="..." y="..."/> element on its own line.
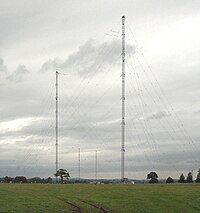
<point x="160" y="198"/>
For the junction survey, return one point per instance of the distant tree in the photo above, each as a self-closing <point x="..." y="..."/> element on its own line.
<point x="189" y="178"/>
<point x="198" y="177"/>
<point x="40" y="180"/>
<point x="153" y="177"/>
<point x="181" y="179"/>
<point x="7" y="179"/>
<point x="48" y="180"/>
<point x="170" y="180"/>
<point x="20" y="179"/>
<point x="62" y="173"/>
<point x="35" y="180"/>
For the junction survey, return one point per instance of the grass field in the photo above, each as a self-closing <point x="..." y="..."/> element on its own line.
<point x="145" y="198"/>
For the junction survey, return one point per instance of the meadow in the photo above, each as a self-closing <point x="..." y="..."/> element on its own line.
<point x="115" y="198"/>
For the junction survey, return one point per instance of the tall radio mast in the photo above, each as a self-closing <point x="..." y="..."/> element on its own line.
<point x="79" y="164"/>
<point x="123" y="100"/>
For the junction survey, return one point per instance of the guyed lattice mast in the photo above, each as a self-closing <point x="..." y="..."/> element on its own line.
<point x="56" y="122"/>
<point x="123" y="100"/>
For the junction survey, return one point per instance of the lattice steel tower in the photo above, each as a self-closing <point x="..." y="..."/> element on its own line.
<point x="56" y="122"/>
<point x="123" y="100"/>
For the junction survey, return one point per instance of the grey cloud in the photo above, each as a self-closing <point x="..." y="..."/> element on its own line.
<point x="32" y="148"/>
<point x="18" y="74"/>
<point x="3" y="71"/>
<point x="90" y="58"/>
<point x="158" y="115"/>
<point x="3" y="68"/>
<point x="51" y="65"/>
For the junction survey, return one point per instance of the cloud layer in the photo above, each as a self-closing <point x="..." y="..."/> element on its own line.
<point x="89" y="58"/>
<point x="162" y="101"/>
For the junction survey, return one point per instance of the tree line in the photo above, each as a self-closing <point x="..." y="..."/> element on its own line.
<point x="153" y="178"/>
<point x="22" y="179"/>
<point x="63" y="173"/>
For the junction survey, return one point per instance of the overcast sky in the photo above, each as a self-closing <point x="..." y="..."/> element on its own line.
<point x="82" y="39"/>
